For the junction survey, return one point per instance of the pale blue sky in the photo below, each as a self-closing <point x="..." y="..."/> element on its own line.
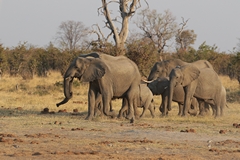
<point x="36" y="21"/>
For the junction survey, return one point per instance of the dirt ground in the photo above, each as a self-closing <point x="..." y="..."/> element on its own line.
<point x="66" y="135"/>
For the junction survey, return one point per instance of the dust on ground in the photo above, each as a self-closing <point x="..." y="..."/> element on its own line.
<point x="69" y="136"/>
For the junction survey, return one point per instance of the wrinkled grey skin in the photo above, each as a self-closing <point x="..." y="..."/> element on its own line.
<point x="145" y="101"/>
<point x="212" y="104"/>
<point x="197" y="83"/>
<point x="160" y="86"/>
<point x="112" y="77"/>
<point x="163" y="68"/>
<point x="98" y="111"/>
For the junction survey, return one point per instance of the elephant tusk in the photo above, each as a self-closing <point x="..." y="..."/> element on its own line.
<point x="147" y="81"/>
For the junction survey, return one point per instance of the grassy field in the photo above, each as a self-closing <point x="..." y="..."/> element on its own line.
<point x="25" y="133"/>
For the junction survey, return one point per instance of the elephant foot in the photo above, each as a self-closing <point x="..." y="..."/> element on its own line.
<point x="161" y="109"/>
<point x="89" y="118"/>
<point x="184" y="115"/>
<point x="201" y="114"/>
<point x="129" y="116"/>
<point x="163" y="115"/>
<point x="120" y="116"/>
<point x="132" y="120"/>
<point x="193" y="112"/>
<point x="138" y="117"/>
<point x="153" y="115"/>
<point x="169" y="108"/>
<point x="179" y="113"/>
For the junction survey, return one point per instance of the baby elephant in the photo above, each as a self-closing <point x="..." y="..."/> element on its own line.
<point x="160" y="87"/>
<point x="144" y="100"/>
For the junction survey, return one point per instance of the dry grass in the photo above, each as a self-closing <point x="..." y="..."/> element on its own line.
<point x="39" y="93"/>
<point x="103" y="138"/>
<point x="230" y="85"/>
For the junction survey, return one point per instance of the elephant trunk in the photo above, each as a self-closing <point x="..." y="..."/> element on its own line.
<point x="67" y="91"/>
<point x="170" y="95"/>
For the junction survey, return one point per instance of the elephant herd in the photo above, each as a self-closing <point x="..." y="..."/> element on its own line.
<point x="194" y="86"/>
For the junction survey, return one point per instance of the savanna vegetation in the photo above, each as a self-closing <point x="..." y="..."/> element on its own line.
<point x="31" y="84"/>
<point x="33" y="127"/>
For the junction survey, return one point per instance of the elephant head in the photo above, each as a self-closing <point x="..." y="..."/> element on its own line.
<point x="158" y="70"/>
<point x="163" y="68"/>
<point x="183" y="76"/>
<point x="86" y="69"/>
<point x="159" y="85"/>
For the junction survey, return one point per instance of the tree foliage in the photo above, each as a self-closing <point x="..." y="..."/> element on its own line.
<point x="184" y="39"/>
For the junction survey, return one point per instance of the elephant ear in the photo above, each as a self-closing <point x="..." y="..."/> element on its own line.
<point x="190" y="73"/>
<point x="95" y="69"/>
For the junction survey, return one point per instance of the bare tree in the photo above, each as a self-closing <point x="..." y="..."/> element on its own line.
<point x="160" y="28"/>
<point x="71" y="34"/>
<point x="184" y="38"/>
<point x="101" y="40"/>
<point x="127" y="9"/>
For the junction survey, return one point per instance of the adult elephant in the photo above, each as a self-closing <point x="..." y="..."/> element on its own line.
<point x="203" y="84"/>
<point x="163" y="68"/>
<point x="112" y="77"/>
<point x="160" y="86"/>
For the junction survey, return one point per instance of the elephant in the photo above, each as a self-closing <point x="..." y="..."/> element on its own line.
<point x="212" y="104"/>
<point x="160" y="86"/>
<point x="203" y="84"/>
<point x="163" y="68"/>
<point x="112" y="77"/>
<point x="145" y="101"/>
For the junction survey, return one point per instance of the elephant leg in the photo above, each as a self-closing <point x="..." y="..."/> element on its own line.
<point x="98" y="110"/>
<point x="111" y="108"/>
<point x="206" y="108"/>
<point x="152" y="109"/>
<point x="130" y="110"/>
<point x="145" y="107"/>
<point x="106" y="97"/>
<point x="213" y="109"/>
<point x="218" y="109"/>
<point x="91" y="104"/>
<point x="136" y="103"/>
<point x="194" y="107"/>
<point x="98" y="105"/>
<point x="201" y="108"/>
<point x="123" y="109"/>
<point x="143" y="112"/>
<point x="161" y="108"/>
<point x="180" y="109"/>
<point x="189" y="91"/>
<point x="164" y="105"/>
<point x="132" y="98"/>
